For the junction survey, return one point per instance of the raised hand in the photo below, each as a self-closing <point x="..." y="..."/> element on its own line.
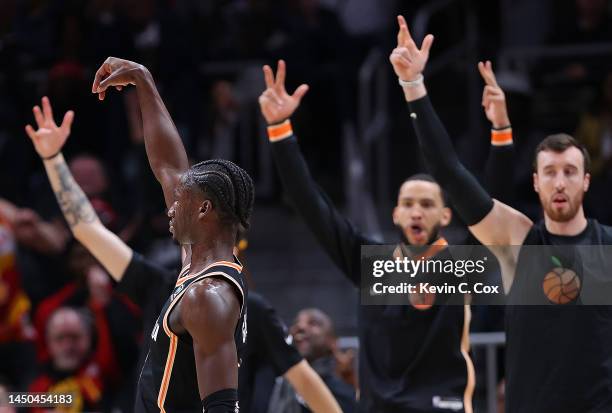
<point x="49" y="139"/>
<point x="493" y="97"/>
<point x="116" y="72"/>
<point x="275" y="103"/>
<point x="407" y="59"/>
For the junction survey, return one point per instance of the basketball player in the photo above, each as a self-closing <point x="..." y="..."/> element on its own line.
<point x="193" y="359"/>
<point x="410" y="360"/>
<point x="149" y="286"/>
<point x="558" y="356"/>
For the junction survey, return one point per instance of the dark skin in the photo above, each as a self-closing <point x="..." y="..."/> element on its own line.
<point x="209" y="311"/>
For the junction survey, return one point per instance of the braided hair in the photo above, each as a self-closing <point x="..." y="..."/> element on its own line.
<point x="229" y="187"/>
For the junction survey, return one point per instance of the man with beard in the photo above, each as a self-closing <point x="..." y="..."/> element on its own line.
<point x="411" y="359"/>
<point x="558" y="358"/>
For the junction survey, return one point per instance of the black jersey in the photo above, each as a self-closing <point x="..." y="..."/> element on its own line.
<point x="410" y="361"/>
<point x="168" y="381"/>
<point x="559" y="356"/>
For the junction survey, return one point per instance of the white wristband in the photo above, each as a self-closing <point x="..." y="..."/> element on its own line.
<point x="411" y="83"/>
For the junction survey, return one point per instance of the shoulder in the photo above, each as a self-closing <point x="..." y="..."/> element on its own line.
<point x="210" y="302"/>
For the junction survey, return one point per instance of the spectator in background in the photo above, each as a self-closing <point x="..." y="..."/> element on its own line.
<point x="16" y="332"/>
<point x="314" y="337"/>
<point x="115" y="316"/>
<point x="76" y="364"/>
<point x="269" y="353"/>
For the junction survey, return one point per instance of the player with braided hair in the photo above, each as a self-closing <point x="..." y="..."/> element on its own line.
<point x="193" y="355"/>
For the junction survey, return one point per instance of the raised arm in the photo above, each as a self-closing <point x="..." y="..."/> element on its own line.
<point x="163" y="144"/>
<point x="48" y="141"/>
<point x="307" y="383"/>
<point x="500" y="163"/>
<point x="491" y="222"/>
<point x="333" y="231"/>
<point x="209" y="313"/>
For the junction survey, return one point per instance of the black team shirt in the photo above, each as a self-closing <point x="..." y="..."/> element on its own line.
<point x="168" y="379"/>
<point x="558" y="356"/>
<point x="409" y="360"/>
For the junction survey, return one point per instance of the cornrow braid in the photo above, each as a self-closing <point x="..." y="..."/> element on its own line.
<point x="229" y="186"/>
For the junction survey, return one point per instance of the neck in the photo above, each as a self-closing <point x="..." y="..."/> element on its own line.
<point x="206" y="252"/>
<point x="569" y="228"/>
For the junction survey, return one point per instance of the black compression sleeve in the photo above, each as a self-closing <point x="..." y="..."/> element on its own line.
<point x="222" y="401"/>
<point x="469" y="198"/>
<point x="498" y="178"/>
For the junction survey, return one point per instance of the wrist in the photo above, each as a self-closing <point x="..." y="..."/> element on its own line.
<point x="414" y="93"/>
<point x="280" y="131"/>
<point x="500" y="125"/>
<point x="501" y="137"/>
<point x="141" y="75"/>
<point x="55" y="156"/>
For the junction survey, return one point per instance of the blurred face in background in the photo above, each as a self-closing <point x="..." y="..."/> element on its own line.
<point x="68" y="340"/>
<point x="420" y="211"/>
<point x="561" y="182"/>
<point x="89" y="173"/>
<point x="313" y="334"/>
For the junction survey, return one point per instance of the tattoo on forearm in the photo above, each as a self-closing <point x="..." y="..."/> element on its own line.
<point x="71" y="199"/>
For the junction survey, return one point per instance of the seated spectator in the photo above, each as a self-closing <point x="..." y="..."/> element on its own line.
<point x="92" y="288"/>
<point x="77" y="364"/>
<point x="314" y="337"/>
<point x="16" y="332"/>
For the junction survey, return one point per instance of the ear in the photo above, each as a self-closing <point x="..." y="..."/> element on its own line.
<point x="447" y="215"/>
<point x="395" y="217"/>
<point x="586" y="182"/>
<point x="536" y="184"/>
<point x="205" y="208"/>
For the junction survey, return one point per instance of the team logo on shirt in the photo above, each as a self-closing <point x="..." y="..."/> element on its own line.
<point x="561" y="285"/>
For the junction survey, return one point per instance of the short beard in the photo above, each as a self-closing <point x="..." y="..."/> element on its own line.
<point x="574" y="207"/>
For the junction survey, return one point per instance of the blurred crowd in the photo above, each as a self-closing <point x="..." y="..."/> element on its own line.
<point x="62" y="326"/>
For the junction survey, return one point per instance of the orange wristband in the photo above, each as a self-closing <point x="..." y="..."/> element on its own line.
<point x="501" y="137"/>
<point x="280" y="131"/>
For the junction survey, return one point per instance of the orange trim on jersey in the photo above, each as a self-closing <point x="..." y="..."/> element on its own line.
<point x="501" y="137"/>
<point x="163" y="390"/>
<point x="186" y="277"/>
<point x="281" y="131"/>
<point x="465" y="348"/>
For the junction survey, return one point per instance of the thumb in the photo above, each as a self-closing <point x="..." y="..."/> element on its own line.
<point x="300" y="92"/>
<point x="67" y="122"/>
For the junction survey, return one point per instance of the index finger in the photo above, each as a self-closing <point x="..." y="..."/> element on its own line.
<point x="486" y="71"/>
<point x="403" y="35"/>
<point x="101" y="73"/>
<point x="268" y="76"/>
<point x="281" y="71"/>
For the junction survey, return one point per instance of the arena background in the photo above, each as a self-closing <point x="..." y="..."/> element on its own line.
<point x="552" y="58"/>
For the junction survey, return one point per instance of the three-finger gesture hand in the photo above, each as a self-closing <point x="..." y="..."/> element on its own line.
<point x="493" y="97"/>
<point x="115" y="72"/>
<point x="407" y="59"/>
<point x="275" y="103"/>
<point x="49" y="139"/>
